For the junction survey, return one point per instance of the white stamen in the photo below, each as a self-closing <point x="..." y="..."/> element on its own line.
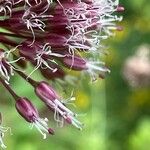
<point x="95" y="68"/>
<point x="42" y="126"/>
<point x="60" y="110"/>
<point x="32" y="20"/>
<point x="40" y="62"/>
<point x="80" y="20"/>
<point x="2" y="131"/>
<point x="6" y="8"/>
<point x="6" y="67"/>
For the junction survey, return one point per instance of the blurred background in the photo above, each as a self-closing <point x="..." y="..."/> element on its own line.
<point x="115" y="110"/>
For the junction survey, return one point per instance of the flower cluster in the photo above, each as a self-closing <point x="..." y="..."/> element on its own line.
<point x="53" y="35"/>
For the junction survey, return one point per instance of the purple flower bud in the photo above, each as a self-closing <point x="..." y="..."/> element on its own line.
<point x="95" y="69"/>
<point x="29" y="52"/>
<point x="30" y="114"/>
<point x="47" y="94"/>
<point x="26" y="110"/>
<point x="56" y="40"/>
<point x="74" y="62"/>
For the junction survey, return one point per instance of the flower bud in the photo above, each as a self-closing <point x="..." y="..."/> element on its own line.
<point x="47" y="94"/>
<point x="26" y="109"/>
<point x="94" y="68"/>
<point x="30" y="114"/>
<point x="74" y="62"/>
<point x="29" y="52"/>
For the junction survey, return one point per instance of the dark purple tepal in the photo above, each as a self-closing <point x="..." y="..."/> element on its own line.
<point x="30" y="114"/>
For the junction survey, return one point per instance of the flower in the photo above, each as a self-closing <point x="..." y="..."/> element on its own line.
<point x="30" y="114"/>
<point x="94" y="68"/>
<point x="48" y="32"/>
<point x="53" y="36"/>
<point x="6" y="67"/>
<point x="47" y="94"/>
<point x="138" y="76"/>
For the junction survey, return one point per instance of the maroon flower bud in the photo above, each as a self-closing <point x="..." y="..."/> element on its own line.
<point x="30" y="114"/>
<point x="94" y="68"/>
<point x="26" y="109"/>
<point x="74" y="62"/>
<point x="27" y="51"/>
<point x="56" y="40"/>
<point x="47" y="94"/>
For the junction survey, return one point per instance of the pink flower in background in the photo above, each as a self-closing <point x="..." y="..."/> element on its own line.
<point x="136" y="68"/>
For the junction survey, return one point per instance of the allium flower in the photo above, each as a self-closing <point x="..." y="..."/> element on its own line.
<point x="53" y="35"/>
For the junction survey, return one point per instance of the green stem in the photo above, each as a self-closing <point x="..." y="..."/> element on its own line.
<point x="14" y="95"/>
<point x="28" y="79"/>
